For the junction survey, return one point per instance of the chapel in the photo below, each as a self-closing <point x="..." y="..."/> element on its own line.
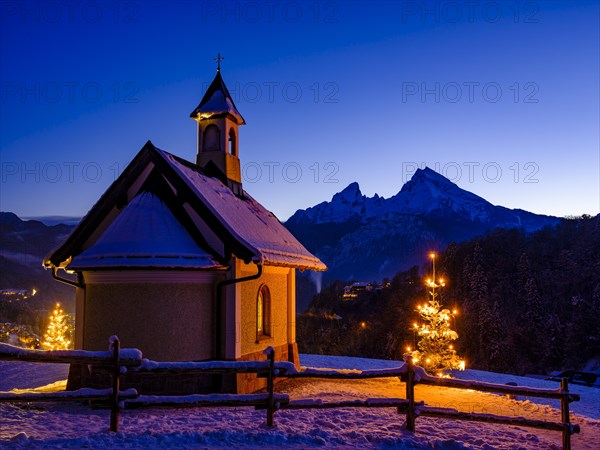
<point x="179" y="261"/>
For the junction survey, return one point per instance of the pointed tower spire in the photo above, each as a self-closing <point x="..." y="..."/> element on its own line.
<point x="217" y="101"/>
<point x="218" y="121"/>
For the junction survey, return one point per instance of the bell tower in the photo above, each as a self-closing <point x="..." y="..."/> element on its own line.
<point x="218" y="140"/>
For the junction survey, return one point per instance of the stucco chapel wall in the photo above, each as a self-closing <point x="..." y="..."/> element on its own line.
<point x="276" y="278"/>
<point x="166" y="321"/>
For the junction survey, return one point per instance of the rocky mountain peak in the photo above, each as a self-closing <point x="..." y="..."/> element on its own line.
<point x="351" y="195"/>
<point x="429" y="181"/>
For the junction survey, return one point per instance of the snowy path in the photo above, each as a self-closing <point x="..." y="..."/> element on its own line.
<point x="74" y="425"/>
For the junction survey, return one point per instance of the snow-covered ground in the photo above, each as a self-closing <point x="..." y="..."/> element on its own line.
<point x="75" y="425"/>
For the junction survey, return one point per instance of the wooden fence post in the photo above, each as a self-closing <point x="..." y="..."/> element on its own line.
<point x="410" y="393"/>
<point x="270" y="383"/>
<point x="116" y="385"/>
<point x="566" y="420"/>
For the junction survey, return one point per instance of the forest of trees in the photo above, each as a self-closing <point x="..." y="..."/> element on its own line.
<point x="527" y="303"/>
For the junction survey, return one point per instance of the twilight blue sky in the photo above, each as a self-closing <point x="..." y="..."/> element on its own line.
<point x="501" y="97"/>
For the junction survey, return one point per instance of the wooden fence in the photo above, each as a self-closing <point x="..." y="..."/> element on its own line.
<point x="117" y="358"/>
<point x="412" y="375"/>
<point x="114" y="359"/>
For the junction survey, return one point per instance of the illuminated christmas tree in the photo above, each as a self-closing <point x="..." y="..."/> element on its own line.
<point x="436" y="351"/>
<point x="58" y="333"/>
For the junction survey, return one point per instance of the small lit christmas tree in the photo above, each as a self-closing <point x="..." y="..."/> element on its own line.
<point x="58" y="333"/>
<point x="436" y="351"/>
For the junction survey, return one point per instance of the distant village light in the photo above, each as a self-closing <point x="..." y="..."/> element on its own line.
<point x="358" y="288"/>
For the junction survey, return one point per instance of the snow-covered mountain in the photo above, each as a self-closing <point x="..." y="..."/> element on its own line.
<point x="369" y="238"/>
<point x="426" y="193"/>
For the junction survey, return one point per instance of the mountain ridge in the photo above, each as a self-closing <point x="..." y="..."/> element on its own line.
<point x="425" y="185"/>
<point x="370" y="238"/>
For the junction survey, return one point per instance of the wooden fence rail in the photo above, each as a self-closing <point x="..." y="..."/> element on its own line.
<point x="118" y="358"/>
<point x="130" y="357"/>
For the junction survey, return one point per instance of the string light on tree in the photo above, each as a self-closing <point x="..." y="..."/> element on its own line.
<point x="435" y="351"/>
<point x="58" y="331"/>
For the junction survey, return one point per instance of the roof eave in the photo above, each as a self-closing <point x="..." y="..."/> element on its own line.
<point x="146" y="267"/>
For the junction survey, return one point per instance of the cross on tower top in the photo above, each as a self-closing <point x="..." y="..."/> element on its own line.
<point x="218" y="59"/>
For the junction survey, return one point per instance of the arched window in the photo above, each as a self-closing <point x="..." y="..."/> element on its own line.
<point x="212" y="137"/>
<point x="232" y="144"/>
<point x="263" y="312"/>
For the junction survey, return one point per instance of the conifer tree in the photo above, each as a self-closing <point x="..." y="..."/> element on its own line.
<point x="58" y="333"/>
<point x="436" y="351"/>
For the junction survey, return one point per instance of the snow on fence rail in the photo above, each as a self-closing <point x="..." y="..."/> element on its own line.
<point x="118" y="359"/>
<point x="127" y="357"/>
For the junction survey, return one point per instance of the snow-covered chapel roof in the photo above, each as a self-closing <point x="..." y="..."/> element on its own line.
<point x="145" y="234"/>
<point x="164" y="211"/>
